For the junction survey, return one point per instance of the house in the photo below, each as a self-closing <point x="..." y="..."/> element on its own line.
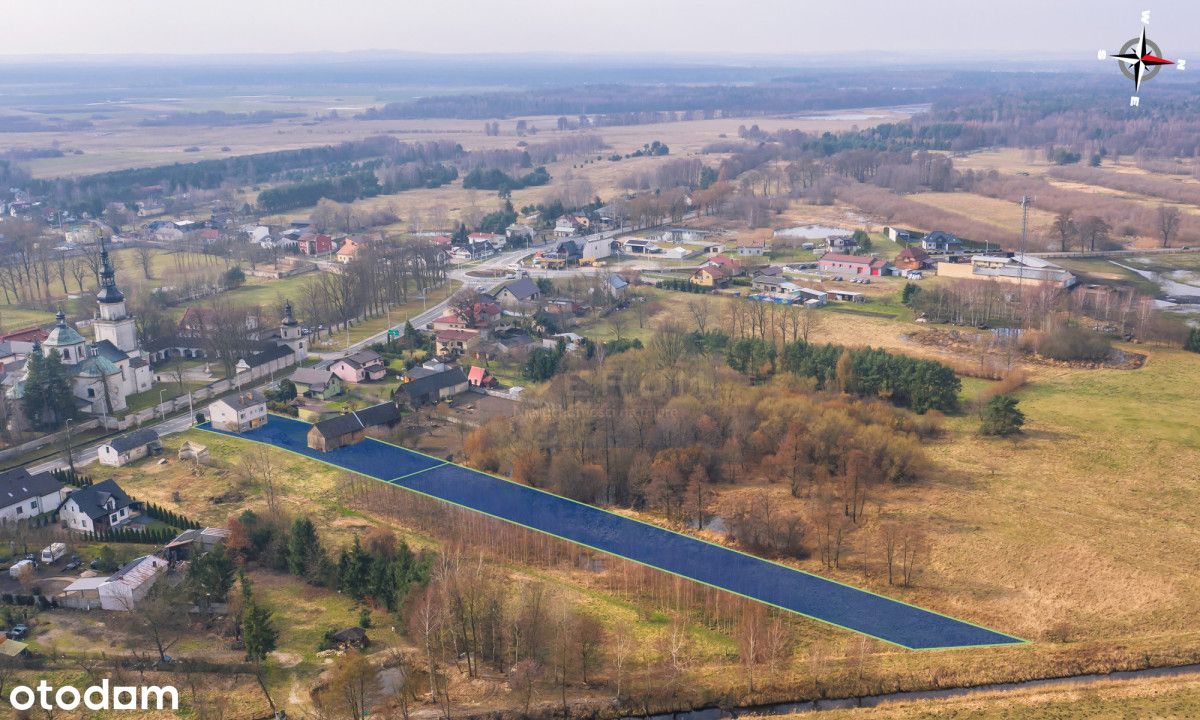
<point x="481" y="378"/>
<point x="517" y="293"/>
<point x="352" y="427"/>
<point x="239" y="412"/>
<point x="494" y="240"/>
<point x="454" y="342"/>
<point x="129" y="447"/>
<point x="756" y="250"/>
<point x="912" y="258"/>
<point x="841" y="242"/>
<point x="565" y="226"/>
<point x="97" y="508"/>
<point x="432" y="382"/>
<point x="316" y="383"/>
<point x="519" y="234"/>
<point x="24" y="496"/>
<point x="710" y="276"/>
<point x="124" y="590"/>
<point x="852" y="264"/>
<point x="362" y="366"/>
<point x="941" y="242"/>
<point x="617" y="286"/>
<point x="193" y="451"/>
<point x="729" y="265"/>
<point x="768" y="283"/>
<point x="349" y="250"/>
<point x="22" y="341"/>
<point x="1016" y="269"/>
<point x="315" y="244"/>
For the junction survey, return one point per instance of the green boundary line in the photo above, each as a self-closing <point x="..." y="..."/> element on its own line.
<point x="1020" y="641"/>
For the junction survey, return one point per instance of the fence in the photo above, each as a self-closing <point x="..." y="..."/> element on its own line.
<point x="46" y="440"/>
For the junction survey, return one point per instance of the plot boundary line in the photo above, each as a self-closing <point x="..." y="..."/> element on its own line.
<point x="1018" y="641"/>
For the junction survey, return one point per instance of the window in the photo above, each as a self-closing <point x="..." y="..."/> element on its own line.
<point x="112" y="519"/>
<point x="20" y="510"/>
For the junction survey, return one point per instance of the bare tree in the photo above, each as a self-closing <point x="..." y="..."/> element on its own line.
<point x="1064" y="226"/>
<point x="145" y="257"/>
<point x="1168" y="223"/>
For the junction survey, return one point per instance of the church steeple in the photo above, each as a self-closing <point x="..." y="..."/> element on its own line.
<point x="289" y="320"/>
<point x="108" y="280"/>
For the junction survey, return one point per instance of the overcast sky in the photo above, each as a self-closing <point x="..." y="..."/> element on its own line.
<point x="697" y="27"/>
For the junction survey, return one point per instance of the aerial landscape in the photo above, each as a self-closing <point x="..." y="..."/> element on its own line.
<point x="644" y="361"/>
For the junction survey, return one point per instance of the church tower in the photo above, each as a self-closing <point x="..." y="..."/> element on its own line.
<point x="291" y="335"/>
<point x="114" y="323"/>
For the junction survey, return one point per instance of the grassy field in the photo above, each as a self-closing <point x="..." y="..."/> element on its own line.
<point x="1162" y="698"/>
<point x="1001" y="213"/>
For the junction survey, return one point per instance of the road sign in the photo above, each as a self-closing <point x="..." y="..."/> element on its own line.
<point x="393" y="332"/>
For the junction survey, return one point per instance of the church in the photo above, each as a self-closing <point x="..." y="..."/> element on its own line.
<point x="106" y="372"/>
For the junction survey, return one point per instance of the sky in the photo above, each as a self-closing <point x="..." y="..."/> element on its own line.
<point x="858" y="29"/>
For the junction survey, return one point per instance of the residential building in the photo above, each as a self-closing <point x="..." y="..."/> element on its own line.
<point x="315" y="244"/>
<point x="729" y="265"/>
<point x="352" y="427"/>
<point x="617" y="286"/>
<point x="481" y="378"/>
<point x="852" y="264"/>
<point x="362" y="366"/>
<point x="518" y="293"/>
<point x="24" y="496"/>
<point x="129" y="447"/>
<point x="912" y="258"/>
<point x="316" y="383"/>
<point x="710" y="276"/>
<point x="432" y="382"/>
<point x="242" y="411"/>
<point x="96" y="508"/>
<point x="450" y="343"/>
<point x="753" y="250"/>
<point x="941" y="242"/>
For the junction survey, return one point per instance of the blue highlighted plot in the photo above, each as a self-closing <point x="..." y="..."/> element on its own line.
<point x="720" y="567"/>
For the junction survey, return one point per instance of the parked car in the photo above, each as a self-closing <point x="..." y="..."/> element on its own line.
<point x="18" y="632"/>
<point x="71" y="566"/>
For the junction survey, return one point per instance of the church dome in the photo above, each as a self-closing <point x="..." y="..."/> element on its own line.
<point x="63" y="334"/>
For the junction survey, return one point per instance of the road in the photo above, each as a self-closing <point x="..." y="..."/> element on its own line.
<point x="178" y="423"/>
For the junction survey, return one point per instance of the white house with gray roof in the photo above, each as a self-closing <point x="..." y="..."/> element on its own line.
<point x="97" y="507"/>
<point x="23" y="496"/>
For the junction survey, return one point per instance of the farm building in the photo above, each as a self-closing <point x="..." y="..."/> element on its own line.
<point x="352" y="427"/>
<point x="1018" y="269"/>
<point x="433" y="382"/>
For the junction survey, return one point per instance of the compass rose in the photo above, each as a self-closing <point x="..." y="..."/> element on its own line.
<point x="1140" y="59"/>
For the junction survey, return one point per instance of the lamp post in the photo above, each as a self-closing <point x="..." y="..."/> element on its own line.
<point x="161" y="410"/>
<point x="70" y="449"/>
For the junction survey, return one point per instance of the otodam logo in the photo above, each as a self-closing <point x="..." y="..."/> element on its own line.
<point x="1140" y="59"/>
<point x="97" y="697"/>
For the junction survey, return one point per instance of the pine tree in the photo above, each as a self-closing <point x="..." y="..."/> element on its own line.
<point x="304" y="547"/>
<point x="1001" y="417"/>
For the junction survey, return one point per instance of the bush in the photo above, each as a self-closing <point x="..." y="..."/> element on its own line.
<point x="1000" y="417"/>
<point x="1071" y="342"/>
<point x="1193" y="340"/>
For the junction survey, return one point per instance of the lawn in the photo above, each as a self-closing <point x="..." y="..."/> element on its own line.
<point x="166" y="391"/>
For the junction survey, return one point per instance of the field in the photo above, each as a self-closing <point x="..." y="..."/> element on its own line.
<point x="1162" y="698"/>
<point x="1000" y="213"/>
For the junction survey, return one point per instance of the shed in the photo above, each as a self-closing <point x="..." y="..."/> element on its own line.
<point x="129" y="447"/>
<point x="352" y="427"/>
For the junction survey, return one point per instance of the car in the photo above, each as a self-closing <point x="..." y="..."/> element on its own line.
<point x="73" y="565"/>
<point x="18" y="632"/>
<point x="94" y="564"/>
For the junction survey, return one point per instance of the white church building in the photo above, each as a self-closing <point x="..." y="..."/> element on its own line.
<point x="105" y="372"/>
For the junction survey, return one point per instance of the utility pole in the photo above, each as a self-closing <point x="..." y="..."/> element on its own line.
<point x="1025" y="201"/>
<point x="70" y="449"/>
